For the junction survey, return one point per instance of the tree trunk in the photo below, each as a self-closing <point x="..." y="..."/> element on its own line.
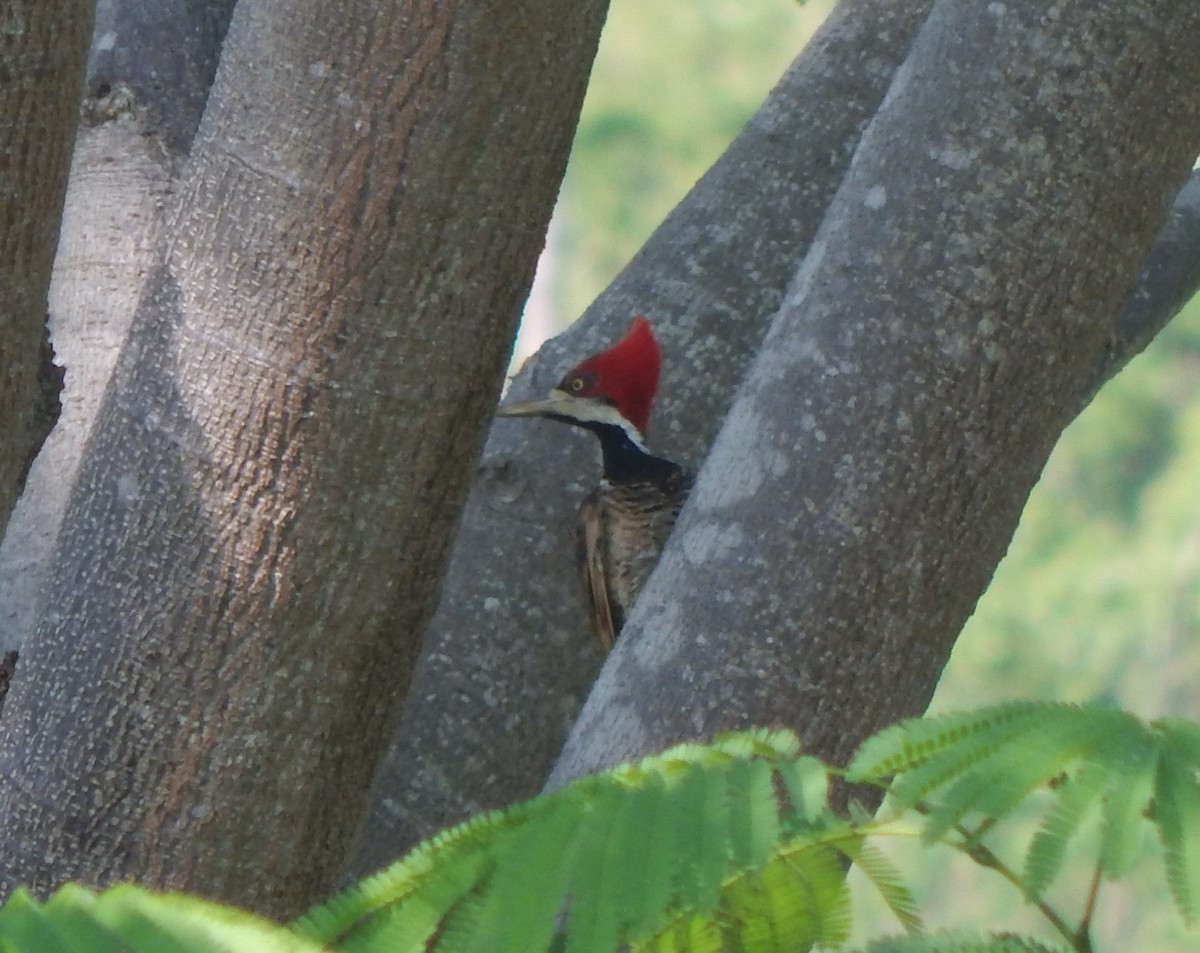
<point x="510" y="653"/>
<point x="42" y="50"/>
<point x="944" y="329"/>
<point x="262" y="515"/>
<point x="148" y="75"/>
<point x="1170" y="278"/>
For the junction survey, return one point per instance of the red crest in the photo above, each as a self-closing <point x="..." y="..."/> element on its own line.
<point x="627" y="373"/>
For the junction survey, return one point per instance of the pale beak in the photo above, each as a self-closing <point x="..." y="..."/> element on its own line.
<point x="579" y="411"/>
<point x="558" y="403"/>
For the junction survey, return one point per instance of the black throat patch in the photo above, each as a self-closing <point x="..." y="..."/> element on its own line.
<point x="626" y="462"/>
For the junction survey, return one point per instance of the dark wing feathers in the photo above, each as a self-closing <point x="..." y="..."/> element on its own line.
<point x="593" y="561"/>
<point x="622" y="529"/>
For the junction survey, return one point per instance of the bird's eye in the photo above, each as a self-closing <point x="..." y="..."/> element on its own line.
<point x="579" y="384"/>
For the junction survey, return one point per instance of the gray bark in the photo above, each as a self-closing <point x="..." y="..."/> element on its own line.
<point x="163" y="54"/>
<point x="510" y="653"/>
<point x="263" y="512"/>
<point x="8" y="665"/>
<point x="945" y="327"/>
<point x="138" y="118"/>
<point x="42" y="50"/>
<point x="1170" y="277"/>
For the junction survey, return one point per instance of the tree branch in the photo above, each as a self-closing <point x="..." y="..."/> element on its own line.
<point x="265" y="507"/>
<point x="945" y="327"/>
<point x="163" y="54"/>
<point x="42" y="48"/>
<point x="510" y="653"/>
<point x="150" y="69"/>
<point x="1169" y="278"/>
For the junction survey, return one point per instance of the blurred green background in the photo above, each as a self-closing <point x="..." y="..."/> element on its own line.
<point x="1099" y="597"/>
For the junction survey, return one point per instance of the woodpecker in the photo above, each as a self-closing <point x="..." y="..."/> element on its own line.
<point x="623" y="522"/>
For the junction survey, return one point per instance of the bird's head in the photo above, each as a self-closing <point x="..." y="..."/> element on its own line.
<point x="615" y="387"/>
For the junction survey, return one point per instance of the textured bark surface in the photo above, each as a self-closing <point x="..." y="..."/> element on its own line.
<point x="510" y="653"/>
<point x="8" y="665"/>
<point x="262" y="515"/>
<point x="1170" y="277"/>
<point x="136" y="129"/>
<point x="944" y="329"/>
<point x="119" y="181"/>
<point x="42" y="51"/>
<point x="163" y="54"/>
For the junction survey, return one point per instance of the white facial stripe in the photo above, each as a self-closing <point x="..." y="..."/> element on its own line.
<point x="597" y="412"/>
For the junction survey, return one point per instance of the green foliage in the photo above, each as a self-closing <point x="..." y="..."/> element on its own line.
<point x="702" y="847"/>
<point x="982" y="765"/>
<point x="1096" y="603"/>
<point x="961" y="943"/>
<point x="723" y="848"/>
<point x="795" y="901"/>
<point x="128" y="919"/>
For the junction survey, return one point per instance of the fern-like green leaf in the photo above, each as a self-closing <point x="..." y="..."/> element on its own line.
<point x="953" y="758"/>
<point x="1177" y="811"/>
<point x="1183" y="737"/>
<point x="1130" y="764"/>
<point x="1078" y="797"/>
<point x="917" y="741"/>
<point x="962" y="943"/>
<point x="634" y="893"/>
<point x="128" y="919"/>
<point x="461" y="864"/>
<point x="757" y="828"/>
<point x="25" y="927"/>
<point x="797" y="900"/>
<point x="532" y="866"/>
<point x="697" y="875"/>
<point x="878" y="868"/>
<point x="1052" y="740"/>
<point x="593" y="866"/>
<point x="986" y="763"/>
<point x="687" y="935"/>
<point x="806" y="786"/>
